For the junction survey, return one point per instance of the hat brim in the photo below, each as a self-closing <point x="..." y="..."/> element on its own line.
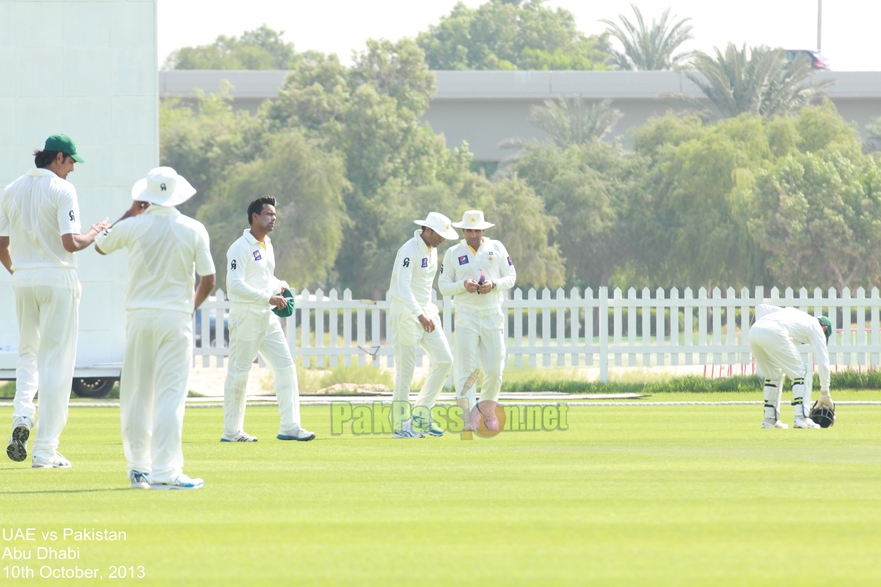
<point x="77" y="158"/>
<point x="183" y="191"/>
<point x="447" y="234"/>
<point x="482" y="226"/>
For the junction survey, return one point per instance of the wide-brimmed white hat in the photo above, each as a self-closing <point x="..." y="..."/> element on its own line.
<point x="440" y="224"/>
<point x="163" y="187"/>
<point x="473" y="220"/>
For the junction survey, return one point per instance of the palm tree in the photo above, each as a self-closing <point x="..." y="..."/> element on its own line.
<point x="571" y="121"/>
<point x="757" y="81"/>
<point x="649" y="49"/>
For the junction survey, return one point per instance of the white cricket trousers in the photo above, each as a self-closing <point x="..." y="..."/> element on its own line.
<point x="776" y="354"/>
<point x="480" y="343"/>
<point x="252" y="333"/>
<point x="153" y="391"/>
<point x="409" y="335"/>
<point x="47" y="306"/>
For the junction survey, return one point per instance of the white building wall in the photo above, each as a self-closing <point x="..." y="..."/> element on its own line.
<point x="87" y="69"/>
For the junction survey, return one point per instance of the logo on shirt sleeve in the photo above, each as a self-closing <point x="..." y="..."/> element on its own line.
<point x="232" y="265"/>
<point x="463" y="260"/>
<point x="510" y="262"/>
<point x="257" y="256"/>
<point x="424" y="262"/>
<point x="71" y="216"/>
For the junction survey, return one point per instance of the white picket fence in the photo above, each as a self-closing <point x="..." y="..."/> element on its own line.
<point x="584" y="329"/>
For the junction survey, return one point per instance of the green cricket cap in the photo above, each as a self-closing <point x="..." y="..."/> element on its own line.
<point x="289" y="309"/>
<point x="824" y="321"/>
<point x="64" y="144"/>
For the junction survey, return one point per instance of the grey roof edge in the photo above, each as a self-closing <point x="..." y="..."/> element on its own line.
<point x="512" y="85"/>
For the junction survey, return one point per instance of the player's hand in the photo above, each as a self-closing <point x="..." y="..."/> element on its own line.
<point x="471" y="286"/>
<point x="99" y="226"/>
<point x="427" y="324"/>
<point x="825" y="400"/>
<point x="279" y="302"/>
<point x="485" y="287"/>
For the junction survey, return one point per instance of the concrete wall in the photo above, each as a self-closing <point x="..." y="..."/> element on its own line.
<point x="86" y="69"/>
<point x="484" y="108"/>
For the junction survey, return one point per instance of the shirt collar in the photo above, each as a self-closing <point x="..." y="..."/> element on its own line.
<point x="40" y="172"/>
<point x="250" y="237"/>
<point x="162" y="210"/>
<point x="421" y="243"/>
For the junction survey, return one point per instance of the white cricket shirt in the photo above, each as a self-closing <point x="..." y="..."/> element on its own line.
<point x="462" y="263"/>
<point x="165" y="247"/>
<point x="250" y="272"/>
<point x="802" y="328"/>
<point x="412" y="277"/>
<point x="35" y="211"/>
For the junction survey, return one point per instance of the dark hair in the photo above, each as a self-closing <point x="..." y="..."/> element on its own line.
<point x="44" y="159"/>
<point x="256" y="207"/>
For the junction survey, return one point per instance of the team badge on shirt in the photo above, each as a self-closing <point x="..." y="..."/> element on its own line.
<point x="463" y="260"/>
<point x="257" y="256"/>
<point x="424" y="262"/>
<point x="510" y="262"/>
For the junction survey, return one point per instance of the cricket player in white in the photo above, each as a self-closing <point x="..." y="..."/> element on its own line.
<point x="772" y="339"/>
<point x="39" y="234"/>
<point x="254" y="329"/>
<point x="415" y="322"/>
<point x="165" y="250"/>
<point x="476" y="272"/>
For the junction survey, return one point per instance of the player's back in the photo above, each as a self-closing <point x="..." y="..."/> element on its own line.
<point x="163" y="247"/>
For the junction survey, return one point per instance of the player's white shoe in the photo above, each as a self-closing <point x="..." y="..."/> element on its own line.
<point x="139" y="480"/>
<point x="55" y="462"/>
<point x="770" y="424"/>
<point x="297" y="433"/>
<point x="240" y="436"/>
<point x="407" y="431"/>
<point x="805" y="423"/>
<point x="179" y="482"/>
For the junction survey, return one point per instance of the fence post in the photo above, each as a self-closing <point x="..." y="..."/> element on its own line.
<point x="604" y="333"/>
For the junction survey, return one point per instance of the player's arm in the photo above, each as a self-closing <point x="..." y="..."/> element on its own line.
<point x="5" y="257"/>
<point x="405" y="259"/>
<point x="446" y="281"/>
<point x="77" y="242"/>
<point x="821" y="356"/>
<point x="236" y="262"/>
<point x="203" y="290"/>
<point x="507" y="272"/>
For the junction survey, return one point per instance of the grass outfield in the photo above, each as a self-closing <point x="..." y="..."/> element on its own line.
<point x="662" y="495"/>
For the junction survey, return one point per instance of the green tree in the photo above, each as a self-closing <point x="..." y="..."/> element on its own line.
<point x="308" y="184"/>
<point x="818" y="215"/>
<point x="592" y="190"/>
<point x="523" y="225"/>
<point x="649" y="48"/>
<point x="262" y="48"/>
<point x="511" y="34"/>
<point x="370" y="115"/>
<point x="757" y="81"/>
<point x="202" y="140"/>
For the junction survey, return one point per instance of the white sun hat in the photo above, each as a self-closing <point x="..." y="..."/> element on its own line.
<point x="473" y="220"/>
<point x="440" y="224"/>
<point x="163" y="187"/>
